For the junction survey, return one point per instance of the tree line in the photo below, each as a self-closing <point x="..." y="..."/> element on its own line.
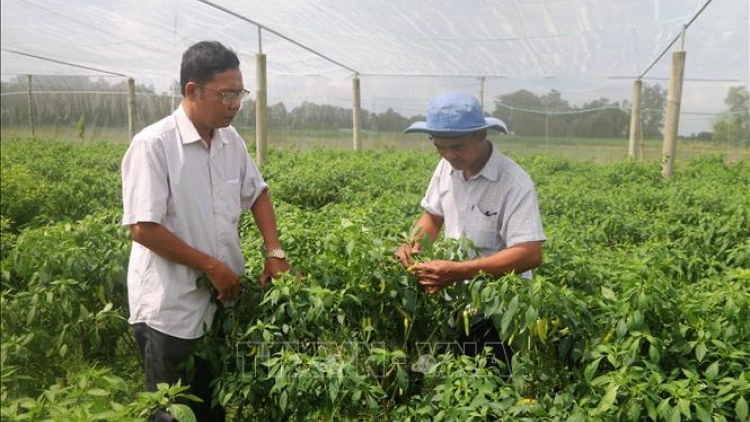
<point x="529" y="114"/>
<point x="71" y="100"/>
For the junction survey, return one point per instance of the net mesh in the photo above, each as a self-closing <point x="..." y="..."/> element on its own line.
<point x="557" y="72"/>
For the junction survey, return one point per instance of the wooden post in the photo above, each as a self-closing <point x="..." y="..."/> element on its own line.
<point x="674" y="99"/>
<point x="261" y="100"/>
<point x="356" y="114"/>
<point x="635" y="118"/>
<point x="131" y="108"/>
<point x="642" y="148"/>
<point x="31" y="105"/>
<point x="481" y="91"/>
<point x="174" y="90"/>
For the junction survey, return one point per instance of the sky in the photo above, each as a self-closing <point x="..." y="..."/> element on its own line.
<point x="404" y="52"/>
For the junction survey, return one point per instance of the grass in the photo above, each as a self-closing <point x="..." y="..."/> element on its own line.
<point x="583" y="149"/>
<point x="598" y="150"/>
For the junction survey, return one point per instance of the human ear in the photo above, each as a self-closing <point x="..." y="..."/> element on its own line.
<point x="190" y="89"/>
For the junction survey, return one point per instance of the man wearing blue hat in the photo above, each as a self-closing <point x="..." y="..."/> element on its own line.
<point x="479" y="194"/>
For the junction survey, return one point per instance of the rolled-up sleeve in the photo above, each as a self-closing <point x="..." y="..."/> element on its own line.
<point x="252" y="185"/>
<point x="145" y="184"/>
<point x="523" y="221"/>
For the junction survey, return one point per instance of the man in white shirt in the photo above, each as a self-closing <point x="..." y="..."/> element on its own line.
<point x="185" y="181"/>
<point x="478" y="194"/>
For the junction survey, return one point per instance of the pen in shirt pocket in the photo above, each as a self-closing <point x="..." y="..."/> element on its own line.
<point x="486" y="213"/>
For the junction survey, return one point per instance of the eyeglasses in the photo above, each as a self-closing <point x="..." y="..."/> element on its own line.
<point x="229" y="97"/>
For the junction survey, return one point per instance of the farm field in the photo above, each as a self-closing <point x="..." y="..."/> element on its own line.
<point x="639" y="312"/>
<point x="578" y="149"/>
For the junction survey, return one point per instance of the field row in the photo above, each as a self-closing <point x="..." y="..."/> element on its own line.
<point x="639" y="311"/>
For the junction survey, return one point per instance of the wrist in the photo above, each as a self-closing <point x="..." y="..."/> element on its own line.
<point x="276" y="253"/>
<point x="469" y="269"/>
<point x="208" y="265"/>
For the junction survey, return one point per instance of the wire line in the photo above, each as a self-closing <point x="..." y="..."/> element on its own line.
<point x="684" y="28"/>
<point x="278" y="34"/>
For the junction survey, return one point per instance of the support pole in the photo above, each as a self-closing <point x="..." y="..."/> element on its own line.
<point x="674" y="99"/>
<point x="635" y="119"/>
<point x="356" y="113"/>
<point x="261" y="101"/>
<point x="175" y="89"/>
<point x="131" y="108"/>
<point x="31" y="105"/>
<point x="642" y="148"/>
<point x="481" y="91"/>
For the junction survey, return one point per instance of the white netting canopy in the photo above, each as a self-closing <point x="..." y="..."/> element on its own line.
<point x="404" y="51"/>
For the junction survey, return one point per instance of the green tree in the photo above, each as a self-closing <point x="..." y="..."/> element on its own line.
<point x="526" y="114"/>
<point x="606" y="120"/>
<point x="733" y="127"/>
<point x="278" y="117"/>
<point x="510" y="108"/>
<point x="390" y="120"/>
<point x="553" y="101"/>
<point x="653" y="103"/>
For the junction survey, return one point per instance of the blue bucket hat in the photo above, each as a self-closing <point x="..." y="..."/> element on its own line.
<point x="453" y="114"/>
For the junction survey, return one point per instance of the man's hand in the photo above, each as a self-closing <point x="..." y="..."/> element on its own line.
<point x="436" y="275"/>
<point x="272" y="268"/>
<point x="170" y="247"/>
<point x="226" y="281"/>
<point x="404" y="254"/>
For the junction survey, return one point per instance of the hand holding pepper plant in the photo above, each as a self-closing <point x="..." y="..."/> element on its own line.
<point x="482" y="197"/>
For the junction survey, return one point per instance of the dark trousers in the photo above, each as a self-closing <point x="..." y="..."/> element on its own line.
<point x="483" y="333"/>
<point x="164" y="361"/>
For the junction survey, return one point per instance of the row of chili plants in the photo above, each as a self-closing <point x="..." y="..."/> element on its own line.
<point x="639" y="311"/>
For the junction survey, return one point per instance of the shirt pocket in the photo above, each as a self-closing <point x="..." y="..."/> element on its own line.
<point x="483" y="229"/>
<point x="230" y="197"/>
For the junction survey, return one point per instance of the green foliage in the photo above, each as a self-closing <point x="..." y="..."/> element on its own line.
<point x="95" y="394"/>
<point x="46" y="181"/>
<point x="653" y="109"/>
<point x="734" y="126"/>
<point x="81" y="126"/>
<point x="639" y="311"/>
<point x="7" y="237"/>
<point x="63" y="299"/>
<point x="527" y="114"/>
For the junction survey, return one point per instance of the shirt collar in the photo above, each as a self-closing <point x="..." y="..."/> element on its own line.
<point x="187" y="129"/>
<point x="491" y="169"/>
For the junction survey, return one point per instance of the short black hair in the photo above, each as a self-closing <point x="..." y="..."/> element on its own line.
<point x="201" y="61"/>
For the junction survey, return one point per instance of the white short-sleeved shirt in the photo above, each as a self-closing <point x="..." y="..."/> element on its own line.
<point x="495" y="209"/>
<point x="171" y="177"/>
